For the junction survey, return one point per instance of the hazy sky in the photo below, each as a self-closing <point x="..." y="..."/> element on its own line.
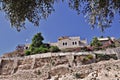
<point x="62" y="22"/>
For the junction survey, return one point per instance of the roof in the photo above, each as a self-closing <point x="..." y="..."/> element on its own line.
<point x="103" y="39"/>
<point x="106" y="39"/>
<point x="66" y="37"/>
<point x="63" y="37"/>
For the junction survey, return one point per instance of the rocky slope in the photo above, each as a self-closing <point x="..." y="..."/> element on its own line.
<point x="108" y="70"/>
<point x="57" y="68"/>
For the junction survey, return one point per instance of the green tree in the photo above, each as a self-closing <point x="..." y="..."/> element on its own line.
<point x="97" y="12"/>
<point x="37" y="40"/>
<point x="95" y="43"/>
<point x="37" y="45"/>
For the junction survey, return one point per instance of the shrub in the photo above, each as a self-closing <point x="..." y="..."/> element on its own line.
<point x="101" y="57"/>
<point x="27" y="52"/>
<point x="90" y="56"/>
<point x="36" y="50"/>
<point x="54" y="49"/>
<point x="85" y="59"/>
<point x="40" y="50"/>
<point x="43" y="50"/>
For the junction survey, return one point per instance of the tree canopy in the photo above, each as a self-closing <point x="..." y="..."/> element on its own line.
<point x="95" y="42"/>
<point x="37" y="40"/>
<point x="98" y="13"/>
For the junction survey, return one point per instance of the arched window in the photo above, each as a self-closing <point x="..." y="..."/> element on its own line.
<point x="63" y="44"/>
<point x="75" y="43"/>
<point x="66" y="43"/>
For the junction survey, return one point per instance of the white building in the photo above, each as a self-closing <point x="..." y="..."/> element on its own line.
<point x="69" y="42"/>
<point x="106" y="39"/>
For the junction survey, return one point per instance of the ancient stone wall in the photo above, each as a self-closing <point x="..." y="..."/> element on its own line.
<point x="48" y="65"/>
<point x="46" y="61"/>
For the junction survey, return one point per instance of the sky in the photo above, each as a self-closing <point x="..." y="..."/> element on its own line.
<point x="62" y="22"/>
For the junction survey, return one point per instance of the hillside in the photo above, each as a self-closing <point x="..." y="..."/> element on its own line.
<point x="57" y="67"/>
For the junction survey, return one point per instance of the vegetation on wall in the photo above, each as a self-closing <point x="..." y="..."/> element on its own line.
<point x="88" y="59"/>
<point x="101" y="57"/>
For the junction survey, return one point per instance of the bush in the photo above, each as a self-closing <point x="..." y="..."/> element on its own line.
<point x="54" y="49"/>
<point x="43" y="50"/>
<point x="90" y="56"/>
<point x="85" y="59"/>
<point x="36" y="50"/>
<point x="27" y="52"/>
<point x="40" y="50"/>
<point x="101" y="57"/>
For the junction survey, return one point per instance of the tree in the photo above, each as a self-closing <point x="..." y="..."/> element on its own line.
<point x="95" y="43"/>
<point x="37" y="40"/>
<point x="97" y="12"/>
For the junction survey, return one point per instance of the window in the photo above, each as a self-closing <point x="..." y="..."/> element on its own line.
<point x="63" y="44"/>
<point x="26" y="48"/>
<point x="73" y="43"/>
<point x="66" y="43"/>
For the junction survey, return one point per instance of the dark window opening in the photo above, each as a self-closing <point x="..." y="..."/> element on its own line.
<point x="73" y="43"/>
<point x="66" y="43"/>
<point x="63" y="44"/>
<point x="26" y="47"/>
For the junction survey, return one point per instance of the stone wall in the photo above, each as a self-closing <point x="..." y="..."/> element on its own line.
<point x="44" y="66"/>
<point x="114" y="51"/>
<point x="46" y="61"/>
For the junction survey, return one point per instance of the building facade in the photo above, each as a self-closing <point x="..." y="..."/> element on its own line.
<point x="106" y="40"/>
<point x="69" y="42"/>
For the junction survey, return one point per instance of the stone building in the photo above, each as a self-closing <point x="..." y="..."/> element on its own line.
<point x="69" y="42"/>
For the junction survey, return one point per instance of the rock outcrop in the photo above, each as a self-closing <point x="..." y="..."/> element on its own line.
<point x="57" y="67"/>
